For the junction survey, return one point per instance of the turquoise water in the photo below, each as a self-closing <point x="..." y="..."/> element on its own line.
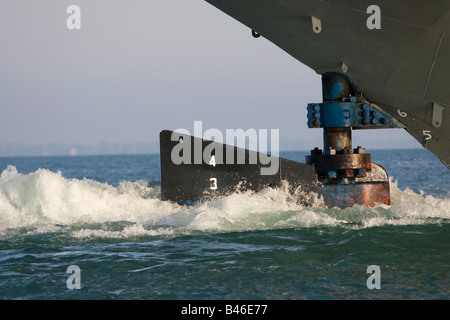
<point x="103" y="214"/>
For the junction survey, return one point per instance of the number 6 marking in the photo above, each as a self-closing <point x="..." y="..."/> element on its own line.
<point x="402" y="113"/>
<point x="213" y="183"/>
<point x="427" y="134"/>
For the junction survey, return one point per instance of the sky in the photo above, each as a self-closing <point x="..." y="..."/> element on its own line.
<point x="137" y="67"/>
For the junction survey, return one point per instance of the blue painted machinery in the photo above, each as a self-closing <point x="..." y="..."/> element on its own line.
<point x="346" y="175"/>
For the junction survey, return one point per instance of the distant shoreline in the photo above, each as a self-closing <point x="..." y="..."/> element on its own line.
<point x="156" y="152"/>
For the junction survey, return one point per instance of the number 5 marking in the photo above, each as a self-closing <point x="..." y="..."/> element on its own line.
<point x="213" y="183"/>
<point x="427" y="134"/>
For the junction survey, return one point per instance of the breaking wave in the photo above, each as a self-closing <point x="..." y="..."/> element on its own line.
<point x="46" y="202"/>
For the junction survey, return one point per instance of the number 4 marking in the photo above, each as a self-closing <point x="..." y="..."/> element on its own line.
<point x="212" y="162"/>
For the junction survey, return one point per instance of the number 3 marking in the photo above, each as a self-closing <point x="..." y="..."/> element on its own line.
<point x="213" y="183"/>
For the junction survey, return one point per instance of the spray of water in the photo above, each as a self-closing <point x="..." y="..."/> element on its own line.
<point x="45" y="201"/>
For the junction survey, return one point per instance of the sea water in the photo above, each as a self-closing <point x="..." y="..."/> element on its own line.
<point x="103" y="215"/>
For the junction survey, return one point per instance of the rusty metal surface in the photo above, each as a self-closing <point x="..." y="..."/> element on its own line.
<point x="337" y="138"/>
<point x="340" y="161"/>
<point x="371" y="189"/>
<point x="364" y="193"/>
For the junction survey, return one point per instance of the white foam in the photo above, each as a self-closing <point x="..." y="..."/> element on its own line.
<point x="45" y="201"/>
<point x="137" y="230"/>
<point x="47" y="197"/>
